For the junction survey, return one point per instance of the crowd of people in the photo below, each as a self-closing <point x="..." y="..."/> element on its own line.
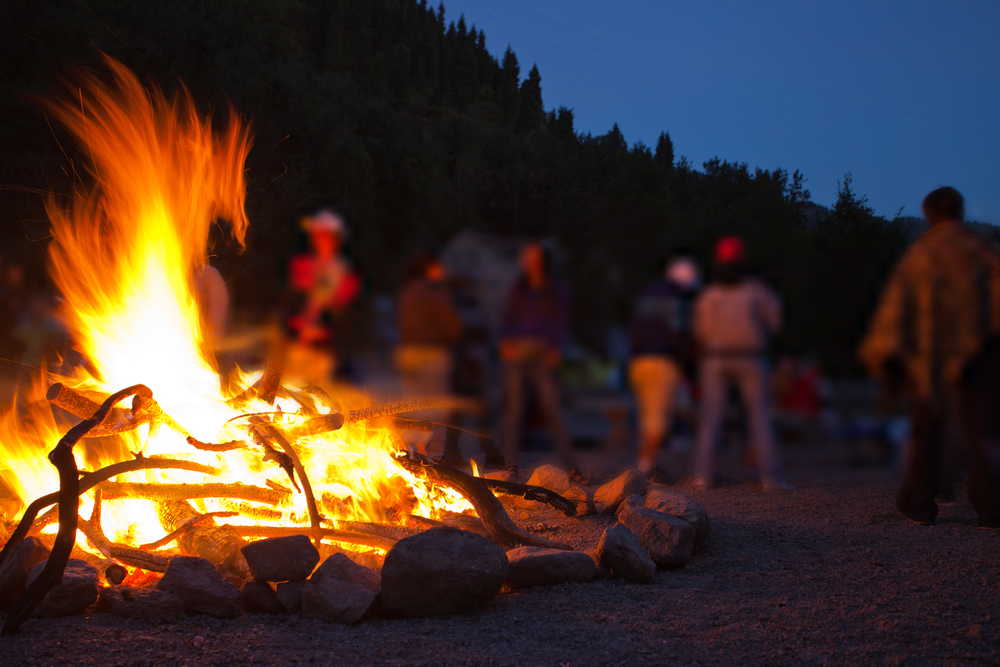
<point x="934" y="342"/>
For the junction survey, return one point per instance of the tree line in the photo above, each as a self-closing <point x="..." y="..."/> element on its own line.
<point x="401" y="115"/>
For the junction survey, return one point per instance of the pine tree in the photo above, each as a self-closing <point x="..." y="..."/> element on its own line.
<point x="530" y="112"/>
<point x="664" y="151"/>
<point x="506" y="87"/>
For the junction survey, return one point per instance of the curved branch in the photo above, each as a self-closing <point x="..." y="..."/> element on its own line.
<point x="495" y="520"/>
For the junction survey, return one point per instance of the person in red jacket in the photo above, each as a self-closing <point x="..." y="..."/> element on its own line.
<point x="322" y="285"/>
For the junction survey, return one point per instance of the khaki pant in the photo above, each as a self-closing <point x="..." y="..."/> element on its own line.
<point x="655" y="380"/>
<point x="425" y="370"/>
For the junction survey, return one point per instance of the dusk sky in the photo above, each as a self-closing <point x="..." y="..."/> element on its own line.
<point x="904" y="95"/>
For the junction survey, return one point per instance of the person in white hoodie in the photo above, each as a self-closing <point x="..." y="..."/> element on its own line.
<point x="735" y="318"/>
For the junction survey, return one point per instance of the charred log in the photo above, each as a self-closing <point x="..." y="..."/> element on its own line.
<point x="218" y="544"/>
<point x="535" y="493"/>
<point x="162" y="492"/>
<point x="495" y="520"/>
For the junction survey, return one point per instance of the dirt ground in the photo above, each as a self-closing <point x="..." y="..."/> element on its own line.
<point x="829" y="573"/>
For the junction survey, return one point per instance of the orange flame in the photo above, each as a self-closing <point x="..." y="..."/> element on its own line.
<point x="125" y="256"/>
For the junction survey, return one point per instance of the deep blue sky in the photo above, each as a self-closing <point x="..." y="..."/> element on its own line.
<point x="903" y="94"/>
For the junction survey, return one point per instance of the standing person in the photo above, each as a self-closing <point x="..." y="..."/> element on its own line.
<point x="472" y="359"/>
<point x="936" y="336"/>
<point x="735" y="317"/>
<point x="533" y="331"/>
<point x="429" y="327"/>
<point x="661" y="342"/>
<point x="322" y="285"/>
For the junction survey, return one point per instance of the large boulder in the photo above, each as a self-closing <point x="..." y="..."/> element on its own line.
<point x="260" y="598"/>
<point x="290" y="596"/>
<point x="14" y="571"/>
<point x="682" y="507"/>
<point x="340" y="591"/>
<point x="536" y="566"/>
<point x="669" y="541"/>
<point x="609" y="496"/>
<point x="550" y="477"/>
<point x="77" y="590"/>
<point x="441" y="571"/>
<point x="146" y="603"/>
<point x="202" y="587"/>
<point x="584" y="500"/>
<point x="620" y="550"/>
<point x="289" y="558"/>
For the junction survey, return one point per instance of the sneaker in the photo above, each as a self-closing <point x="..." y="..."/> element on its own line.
<point x="657" y="476"/>
<point x="778" y="487"/>
<point x="919" y="522"/>
<point x="702" y="484"/>
<point x="453" y="461"/>
<point x="946" y="498"/>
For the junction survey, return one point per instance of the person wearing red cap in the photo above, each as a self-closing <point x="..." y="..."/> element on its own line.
<point x="735" y="317"/>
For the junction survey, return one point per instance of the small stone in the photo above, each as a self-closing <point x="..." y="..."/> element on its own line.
<point x="140" y="603"/>
<point x="202" y="587"/>
<point x="505" y="476"/>
<point x="289" y="558"/>
<point x="340" y="591"/>
<point x="441" y="571"/>
<point x="669" y="541"/>
<point x="682" y="507"/>
<point x="583" y="499"/>
<point x="14" y="571"/>
<point x="550" y="477"/>
<point x="77" y="590"/>
<point x="621" y="551"/>
<point x="290" y="596"/>
<point x="536" y="566"/>
<point x="259" y="598"/>
<point x="611" y="495"/>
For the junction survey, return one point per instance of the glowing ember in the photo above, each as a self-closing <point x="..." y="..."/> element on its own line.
<point x="125" y="256"/>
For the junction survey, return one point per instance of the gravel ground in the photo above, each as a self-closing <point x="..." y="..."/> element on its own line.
<point x="829" y="573"/>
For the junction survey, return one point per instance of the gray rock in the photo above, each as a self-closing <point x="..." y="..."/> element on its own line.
<point x="611" y="495"/>
<point x="682" y="507"/>
<point x="535" y="566"/>
<point x="258" y="597"/>
<point x="550" y="477"/>
<point x="77" y="590"/>
<point x="441" y="571"/>
<point x="140" y="603"/>
<point x="621" y="551"/>
<point x="290" y="596"/>
<point x="14" y="571"/>
<point x="289" y="558"/>
<point x="340" y="591"/>
<point x="583" y="499"/>
<point x="603" y="571"/>
<point x="669" y="541"/>
<point x="202" y="587"/>
<point x="631" y="501"/>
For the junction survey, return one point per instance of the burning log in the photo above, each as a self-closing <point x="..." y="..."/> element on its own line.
<point x="88" y="481"/>
<point x="61" y="457"/>
<point x="218" y="544"/>
<point x="251" y="510"/>
<point x="170" y="537"/>
<point x="266" y="433"/>
<point x="495" y="520"/>
<point x="162" y="492"/>
<point x="112" y="572"/>
<point x="126" y="554"/>
<point x="220" y="447"/>
<point x="412" y="405"/>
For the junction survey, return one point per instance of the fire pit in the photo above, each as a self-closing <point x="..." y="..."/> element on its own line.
<point x="170" y="479"/>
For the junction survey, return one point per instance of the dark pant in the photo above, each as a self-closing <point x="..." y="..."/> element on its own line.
<point x="517" y="375"/>
<point x="973" y="405"/>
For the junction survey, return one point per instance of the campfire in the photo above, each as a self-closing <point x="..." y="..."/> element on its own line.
<point x="139" y="456"/>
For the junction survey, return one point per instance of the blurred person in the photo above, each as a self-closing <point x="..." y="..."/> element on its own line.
<point x="661" y="344"/>
<point x="935" y="338"/>
<point x="322" y="285"/>
<point x="429" y="326"/>
<point x="13" y="302"/>
<point x="533" y="331"/>
<point x="42" y="335"/>
<point x="471" y="373"/>
<point x="213" y="302"/>
<point x="735" y="318"/>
